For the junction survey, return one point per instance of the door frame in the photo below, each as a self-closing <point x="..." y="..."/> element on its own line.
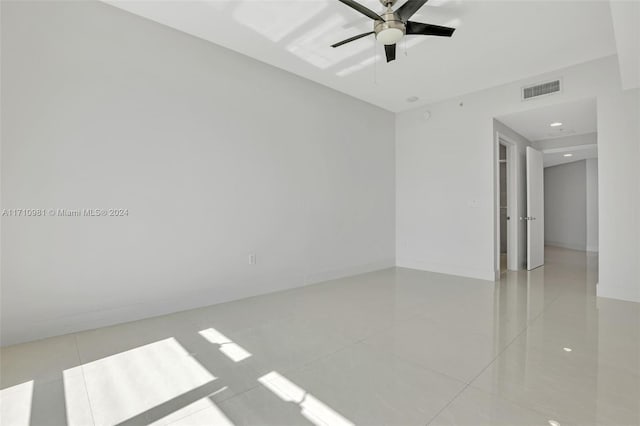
<point x="513" y="183"/>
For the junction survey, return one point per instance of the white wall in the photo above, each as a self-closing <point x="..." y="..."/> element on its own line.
<point x="571" y="204"/>
<point x="451" y="228"/>
<point x="565" y="205"/>
<point x="215" y="156"/>
<point x="592" y="204"/>
<point x="626" y="25"/>
<point x="619" y="194"/>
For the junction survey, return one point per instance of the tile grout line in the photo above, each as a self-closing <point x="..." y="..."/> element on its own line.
<point x="360" y="340"/>
<point x="517" y="403"/>
<point x="301" y="367"/>
<point x="468" y="384"/>
<point x="84" y="380"/>
<point x="200" y="410"/>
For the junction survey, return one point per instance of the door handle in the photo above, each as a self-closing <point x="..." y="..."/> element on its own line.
<point x="528" y="218"/>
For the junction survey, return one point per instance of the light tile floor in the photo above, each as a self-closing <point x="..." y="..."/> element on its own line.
<point x="393" y="347"/>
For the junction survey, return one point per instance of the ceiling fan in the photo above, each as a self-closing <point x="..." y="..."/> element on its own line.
<point x="389" y="26"/>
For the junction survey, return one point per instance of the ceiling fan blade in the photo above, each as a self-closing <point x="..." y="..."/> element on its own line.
<point x="428" y="29"/>
<point x="340" y="43"/>
<point x="360" y="8"/>
<point x="390" y="50"/>
<point x="407" y="10"/>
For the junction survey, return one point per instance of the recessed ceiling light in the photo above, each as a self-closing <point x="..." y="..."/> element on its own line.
<point x="556" y="124"/>
<point x="554" y="423"/>
<point x="568" y="155"/>
<point x="567" y="349"/>
<point x="412" y="98"/>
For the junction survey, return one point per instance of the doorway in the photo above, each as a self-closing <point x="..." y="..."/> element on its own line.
<point x="507" y="204"/>
<point x="556" y="183"/>
<point x="503" y="207"/>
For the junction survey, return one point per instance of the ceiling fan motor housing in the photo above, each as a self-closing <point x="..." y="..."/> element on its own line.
<point x="391" y="22"/>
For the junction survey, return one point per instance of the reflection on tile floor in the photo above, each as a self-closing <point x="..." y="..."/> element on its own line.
<point x="393" y="347"/>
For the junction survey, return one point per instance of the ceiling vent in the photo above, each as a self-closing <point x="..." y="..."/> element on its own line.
<point x="541" y="89"/>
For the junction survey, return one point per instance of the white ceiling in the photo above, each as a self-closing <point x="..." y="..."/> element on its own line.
<point x="495" y="42"/>
<point x="576" y="136"/>
<point x="577" y="118"/>
<point x="578" y="153"/>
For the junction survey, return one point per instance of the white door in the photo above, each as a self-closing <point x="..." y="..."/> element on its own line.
<point x="535" y="209"/>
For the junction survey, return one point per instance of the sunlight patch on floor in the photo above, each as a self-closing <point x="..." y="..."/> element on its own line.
<point x="232" y="350"/>
<point x="202" y="412"/>
<point x="76" y="399"/>
<point x="15" y="404"/>
<point x="126" y="384"/>
<point x="313" y="409"/>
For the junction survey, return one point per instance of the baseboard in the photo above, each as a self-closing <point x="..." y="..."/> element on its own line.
<point x="193" y="300"/>
<point x="626" y="293"/>
<point x="441" y="268"/>
<point x="565" y="245"/>
<point x="335" y="274"/>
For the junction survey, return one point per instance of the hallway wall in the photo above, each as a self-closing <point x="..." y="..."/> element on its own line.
<point x="592" y="204"/>
<point x="565" y="205"/>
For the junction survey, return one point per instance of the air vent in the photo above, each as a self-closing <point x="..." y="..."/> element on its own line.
<point x="540" y="89"/>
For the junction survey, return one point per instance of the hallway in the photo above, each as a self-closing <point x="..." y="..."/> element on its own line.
<point x="393" y="347"/>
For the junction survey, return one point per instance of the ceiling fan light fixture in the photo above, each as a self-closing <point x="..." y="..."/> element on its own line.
<point x="391" y="25"/>
<point x="390" y="36"/>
